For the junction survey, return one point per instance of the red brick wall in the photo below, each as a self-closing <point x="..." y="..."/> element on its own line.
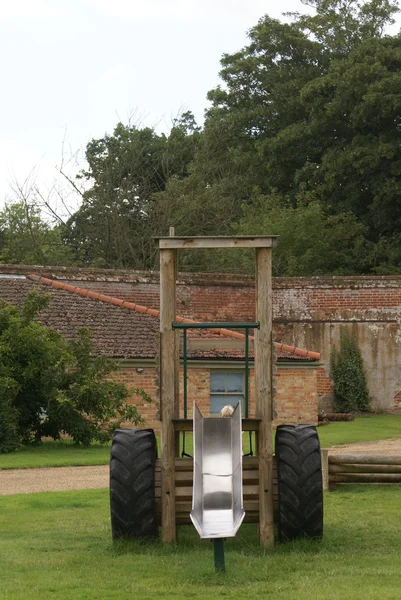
<point x="296" y="398"/>
<point x="307" y="312"/>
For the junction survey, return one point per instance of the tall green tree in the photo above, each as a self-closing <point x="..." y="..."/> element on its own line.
<point x="308" y="107"/>
<point x="25" y="238"/>
<point x="116" y="222"/>
<point x="311" y="241"/>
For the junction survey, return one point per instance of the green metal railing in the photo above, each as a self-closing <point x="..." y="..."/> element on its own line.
<point x="246" y="326"/>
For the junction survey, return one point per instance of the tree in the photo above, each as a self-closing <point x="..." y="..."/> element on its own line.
<point x="311" y="241"/>
<point x="26" y="239"/>
<point x="117" y="219"/>
<point x="309" y="107"/>
<point x="52" y="387"/>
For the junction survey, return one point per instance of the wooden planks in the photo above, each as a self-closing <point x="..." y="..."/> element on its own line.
<point x="243" y="241"/>
<point x="263" y="392"/>
<point x="187" y="424"/>
<point x="364" y="459"/>
<point x="168" y="391"/>
<point x="183" y="490"/>
<point x="365" y="469"/>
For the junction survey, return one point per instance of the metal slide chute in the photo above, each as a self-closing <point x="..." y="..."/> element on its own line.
<point x="217" y="499"/>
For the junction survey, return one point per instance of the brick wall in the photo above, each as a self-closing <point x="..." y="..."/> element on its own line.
<point x="307" y="312"/>
<point x="296" y="398"/>
<point x="324" y="390"/>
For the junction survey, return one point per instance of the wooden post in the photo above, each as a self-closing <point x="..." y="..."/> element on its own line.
<point x="168" y="401"/>
<point x="324" y="453"/>
<point x="263" y="392"/>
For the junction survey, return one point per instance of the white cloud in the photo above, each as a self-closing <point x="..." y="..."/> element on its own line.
<point x="30" y="9"/>
<point x="184" y="10"/>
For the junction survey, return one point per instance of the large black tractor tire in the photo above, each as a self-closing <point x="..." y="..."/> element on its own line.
<point x="300" y="483"/>
<point x="132" y="484"/>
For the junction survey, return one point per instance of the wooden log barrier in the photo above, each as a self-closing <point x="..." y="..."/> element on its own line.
<point x="373" y="459"/>
<point x="365" y="469"/>
<point x="366" y="478"/>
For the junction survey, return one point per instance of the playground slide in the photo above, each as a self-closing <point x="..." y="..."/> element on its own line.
<point x="217" y="500"/>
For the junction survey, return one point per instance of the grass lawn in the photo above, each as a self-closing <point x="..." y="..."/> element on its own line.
<point x="58" y="545"/>
<point x="61" y="454"/>
<point x="56" y="454"/>
<point x="364" y="429"/>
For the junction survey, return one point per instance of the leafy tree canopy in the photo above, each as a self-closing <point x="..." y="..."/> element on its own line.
<point x="307" y="114"/>
<point x="52" y="387"/>
<point x="117" y="219"/>
<point x="26" y="239"/>
<point x="310" y="109"/>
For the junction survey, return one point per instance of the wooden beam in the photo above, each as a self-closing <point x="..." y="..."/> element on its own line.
<point x="245" y="241"/>
<point x="216" y="344"/>
<point x="263" y="392"/>
<point x="376" y="459"/>
<point x="365" y="478"/>
<point x="187" y="425"/>
<point x="324" y="454"/>
<point x="168" y="390"/>
<point x="366" y="468"/>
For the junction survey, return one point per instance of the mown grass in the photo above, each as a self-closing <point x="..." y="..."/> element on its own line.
<point x="369" y="428"/>
<point x="58" y="545"/>
<point x="56" y="454"/>
<point x="65" y="453"/>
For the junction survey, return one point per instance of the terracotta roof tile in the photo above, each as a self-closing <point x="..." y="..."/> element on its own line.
<point x="116" y="331"/>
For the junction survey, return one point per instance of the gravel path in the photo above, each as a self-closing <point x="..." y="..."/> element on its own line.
<point x="54" y="479"/>
<point x="390" y="447"/>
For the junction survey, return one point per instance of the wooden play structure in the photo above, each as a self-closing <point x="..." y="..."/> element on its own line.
<point x="160" y="490"/>
<point x="169" y="365"/>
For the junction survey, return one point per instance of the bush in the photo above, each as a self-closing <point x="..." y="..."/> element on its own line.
<point x="349" y="381"/>
<point x="50" y="387"/>
<point x="9" y="439"/>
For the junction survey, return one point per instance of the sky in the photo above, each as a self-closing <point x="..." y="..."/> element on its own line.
<point x="72" y="69"/>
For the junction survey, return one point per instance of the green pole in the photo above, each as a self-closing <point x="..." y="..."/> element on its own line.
<point x="185" y="373"/>
<point x="246" y="372"/>
<point x="219" y="564"/>
<point x="185" y="389"/>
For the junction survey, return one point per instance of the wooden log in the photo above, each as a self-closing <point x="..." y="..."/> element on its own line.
<point x="168" y="388"/>
<point x="239" y="241"/>
<point x="377" y="459"/>
<point x="324" y="453"/>
<point x="346" y="484"/>
<point x="366" y="478"/>
<point x="364" y="468"/>
<point x="263" y="392"/>
<point x="339" y="416"/>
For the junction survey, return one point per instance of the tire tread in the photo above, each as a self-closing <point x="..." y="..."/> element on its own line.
<point x="300" y="485"/>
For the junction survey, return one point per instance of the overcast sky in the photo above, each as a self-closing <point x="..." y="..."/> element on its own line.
<point x="71" y="69"/>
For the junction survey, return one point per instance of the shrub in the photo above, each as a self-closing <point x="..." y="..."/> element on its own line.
<point x="349" y="381"/>
<point x="50" y="387"/>
<point x="9" y="438"/>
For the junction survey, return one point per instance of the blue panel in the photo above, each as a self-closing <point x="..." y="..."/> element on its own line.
<point x="233" y="400"/>
<point x="217" y="382"/>
<point x="216" y="403"/>
<point x="235" y="382"/>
